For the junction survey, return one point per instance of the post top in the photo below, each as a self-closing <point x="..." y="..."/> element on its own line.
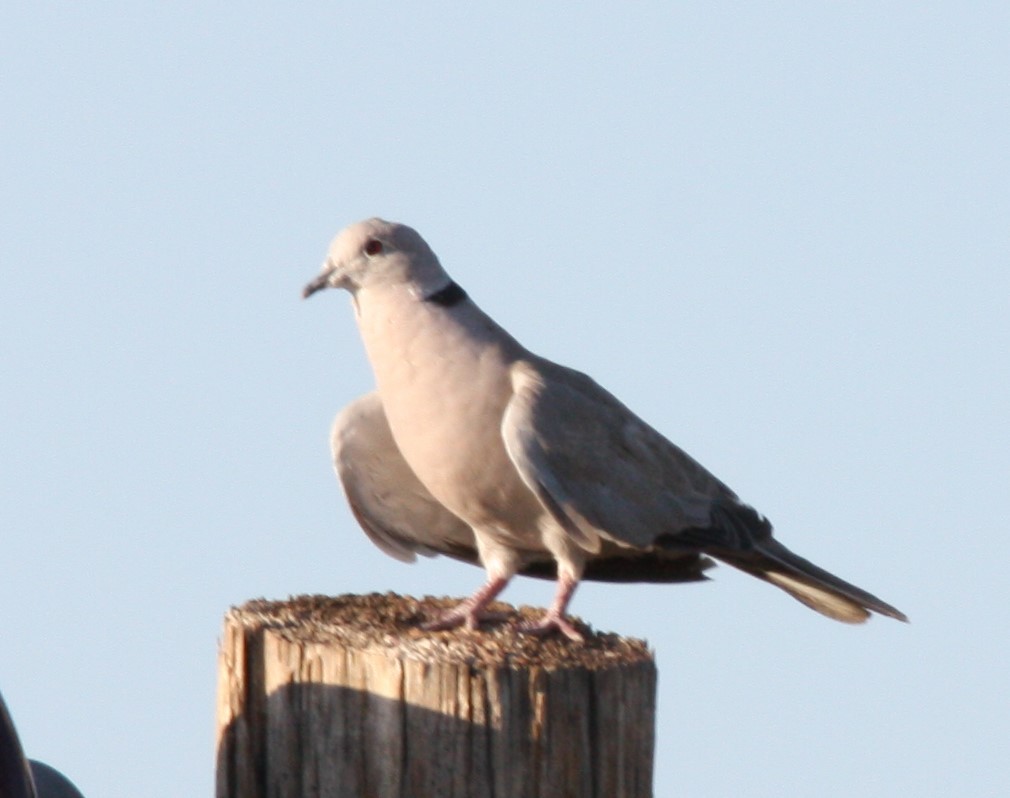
<point x="390" y="622"/>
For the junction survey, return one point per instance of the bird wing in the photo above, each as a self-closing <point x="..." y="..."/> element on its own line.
<point x="403" y="519"/>
<point x="602" y="472"/>
<point x="396" y="511"/>
<point x="606" y="476"/>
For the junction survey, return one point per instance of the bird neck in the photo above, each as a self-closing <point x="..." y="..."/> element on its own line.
<point x="402" y="330"/>
<point x="451" y="294"/>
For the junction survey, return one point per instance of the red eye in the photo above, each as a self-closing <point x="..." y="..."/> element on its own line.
<point x="373" y="246"/>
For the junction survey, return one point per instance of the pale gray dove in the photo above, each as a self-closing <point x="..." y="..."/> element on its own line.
<point x="476" y="448"/>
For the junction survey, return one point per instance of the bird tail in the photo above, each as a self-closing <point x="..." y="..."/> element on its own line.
<point x="764" y="557"/>
<point x="822" y="591"/>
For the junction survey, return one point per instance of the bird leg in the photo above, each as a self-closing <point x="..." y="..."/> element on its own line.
<point x="470" y="612"/>
<point x="554" y="619"/>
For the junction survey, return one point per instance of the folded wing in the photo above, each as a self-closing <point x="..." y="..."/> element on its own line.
<point x="396" y="511"/>
<point x="608" y="478"/>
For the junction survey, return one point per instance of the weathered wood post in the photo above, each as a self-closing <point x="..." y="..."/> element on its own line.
<point x="347" y="696"/>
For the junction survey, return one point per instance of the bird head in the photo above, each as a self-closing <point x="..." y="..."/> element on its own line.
<point x="376" y="252"/>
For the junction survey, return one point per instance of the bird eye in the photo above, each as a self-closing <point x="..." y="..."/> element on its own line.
<point x="373" y="246"/>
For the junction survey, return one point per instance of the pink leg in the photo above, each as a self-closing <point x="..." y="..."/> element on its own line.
<point x="554" y="619"/>
<point x="470" y="612"/>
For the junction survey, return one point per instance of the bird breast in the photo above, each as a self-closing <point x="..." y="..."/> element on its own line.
<point x="444" y="383"/>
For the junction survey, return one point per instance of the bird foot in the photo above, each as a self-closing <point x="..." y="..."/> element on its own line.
<point x="552" y="622"/>
<point x="468" y="617"/>
<point x="470" y="612"/>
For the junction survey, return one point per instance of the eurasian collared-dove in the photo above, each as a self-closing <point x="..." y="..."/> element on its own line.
<point x="476" y="448"/>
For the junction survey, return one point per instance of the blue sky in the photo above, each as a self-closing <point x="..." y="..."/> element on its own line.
<point x="777" y="231"/>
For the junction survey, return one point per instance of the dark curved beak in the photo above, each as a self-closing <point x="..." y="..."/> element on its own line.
<point x="321" y="282"/>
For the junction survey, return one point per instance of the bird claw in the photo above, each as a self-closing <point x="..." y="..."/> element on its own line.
<point x="468" y="617"/>
<point x="551" y="623"/>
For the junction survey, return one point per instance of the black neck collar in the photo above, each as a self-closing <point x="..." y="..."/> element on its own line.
<point x="446" y="297"/>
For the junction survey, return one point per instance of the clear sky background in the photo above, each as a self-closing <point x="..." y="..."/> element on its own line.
<point x="780" y="232"/>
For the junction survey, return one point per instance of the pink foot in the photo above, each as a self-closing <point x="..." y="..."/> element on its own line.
<point x="470" y="612"/>
<point x="554" y="619"/>
<point x="551" y="623"/>
<point x="462" y="616"/>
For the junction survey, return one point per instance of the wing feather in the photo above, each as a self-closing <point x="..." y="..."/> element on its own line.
<point x="599" y="469"/>
<point x="394" y="509"/>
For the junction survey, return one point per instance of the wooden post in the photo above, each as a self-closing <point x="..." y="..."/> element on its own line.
<point x="347" y="696"/>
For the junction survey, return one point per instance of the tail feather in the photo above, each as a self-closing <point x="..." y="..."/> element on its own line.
<point x="817" y="598"/>
<point x="808" y="583"/>
<point x="744" y="540"/>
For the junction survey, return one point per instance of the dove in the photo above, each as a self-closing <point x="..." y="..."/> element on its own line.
<point x="473" y="447"/>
